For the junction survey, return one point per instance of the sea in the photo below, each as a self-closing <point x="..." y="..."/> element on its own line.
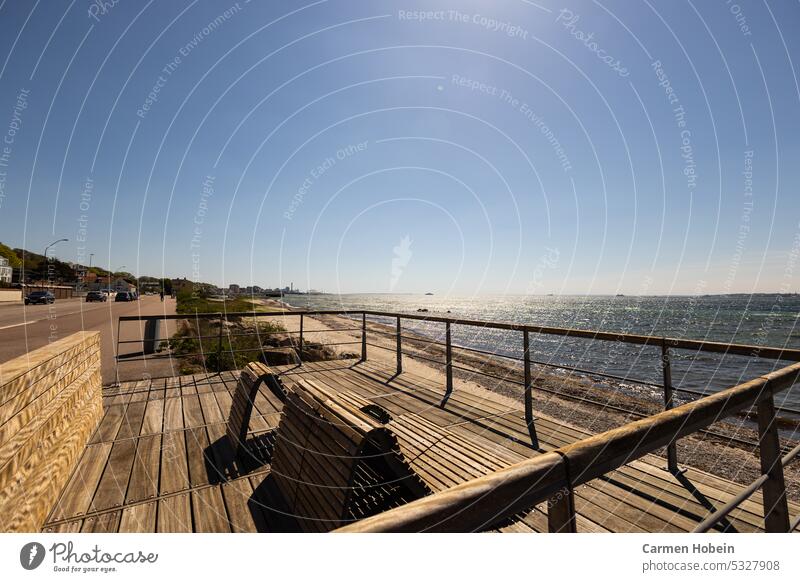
<point x="761" y="320"/>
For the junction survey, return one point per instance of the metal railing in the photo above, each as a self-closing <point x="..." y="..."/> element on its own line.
<point x="768" y="442"/>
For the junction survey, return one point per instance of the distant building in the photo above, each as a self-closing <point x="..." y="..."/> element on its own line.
<point x="6" y="271"/>
<point x="97" y="283"/>
<point x="120" y="285"/>
<point x="233" y="289"/>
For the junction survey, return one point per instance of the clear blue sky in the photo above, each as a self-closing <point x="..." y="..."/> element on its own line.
<point x="505" y="147"/>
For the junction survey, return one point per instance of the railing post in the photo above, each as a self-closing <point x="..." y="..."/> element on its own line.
<point x="561" y="512"/>
<point x="529" y="390"/>
<point x="363" y="337"/>
<point x="669" y="402"/>
<point x="448" y="363"/>
<point x="776" y="510"/>
<point x="219" y="345"/>
<point x="300" y="354"/>
<point x="399" y="349"/>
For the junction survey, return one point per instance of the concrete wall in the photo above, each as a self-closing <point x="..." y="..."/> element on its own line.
<point x="51" y="403"/>
<point x="10" y="295"/>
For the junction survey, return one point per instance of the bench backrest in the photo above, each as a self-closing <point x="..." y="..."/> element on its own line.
<point x="50" y="404"/>
<point x="333" y="462"/>
<point x="250" y="380"/>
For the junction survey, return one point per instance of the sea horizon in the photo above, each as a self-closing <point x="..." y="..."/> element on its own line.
<point x="734" y="318"/>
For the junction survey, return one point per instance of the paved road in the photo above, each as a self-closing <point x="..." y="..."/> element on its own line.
<point x="25" y="328"/>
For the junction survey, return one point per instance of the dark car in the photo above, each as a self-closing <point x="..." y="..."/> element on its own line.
<point x="123" y="296"/>
<point x="95" y="296"/>
<point x="40" y="298"/>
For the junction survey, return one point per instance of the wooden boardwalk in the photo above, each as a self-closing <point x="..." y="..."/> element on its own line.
<point x="160" y="462"/>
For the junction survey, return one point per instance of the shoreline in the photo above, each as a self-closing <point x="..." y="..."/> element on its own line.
<point x="555" y="395"/>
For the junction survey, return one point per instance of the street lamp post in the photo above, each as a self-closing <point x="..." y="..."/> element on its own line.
<point x="55" y="242"/>
<point x="91" y="256"/>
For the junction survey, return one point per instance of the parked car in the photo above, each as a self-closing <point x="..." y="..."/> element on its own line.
<point x="123" y="296"/>
<point x="96" y="296"/>
<point x="40" y="298"/>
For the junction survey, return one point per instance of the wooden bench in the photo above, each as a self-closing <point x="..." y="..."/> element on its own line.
<point x="50" y="403"/>
<point x="340" y="458"/>
<point x="335" y="461"/>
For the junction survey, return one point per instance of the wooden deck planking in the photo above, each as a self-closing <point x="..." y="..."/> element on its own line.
<point x="132" y="420"/>
<point x="103" y="523"/>
<point x="192" y="413"/>
<point x="114" y="483"/>
<point x="153" y="417"/>
<point x="159" y="460"/>
<point x="144" y="477"/>
<point x="173" y="414"/>
<point x="139" y="518"/>
<point x="173" y="455"/>
<point x="208" y="511"/>
<point x="196" y="453"/>
<point x="242" y="518"/>
<point x="109" y="426"/>
<point x="77" y="496"/>
<point x="175" y="514"/>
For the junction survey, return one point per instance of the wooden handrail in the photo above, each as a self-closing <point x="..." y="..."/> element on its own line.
<point x="482" y="502"/>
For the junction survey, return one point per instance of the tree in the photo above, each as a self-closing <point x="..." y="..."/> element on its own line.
<point x="13" y="259"/>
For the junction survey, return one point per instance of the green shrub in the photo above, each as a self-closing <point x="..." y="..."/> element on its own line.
<point x="199" y="343"/>
<point x="198" y="302"/>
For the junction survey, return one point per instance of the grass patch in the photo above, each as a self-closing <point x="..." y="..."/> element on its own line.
<point x="190" y="303"/>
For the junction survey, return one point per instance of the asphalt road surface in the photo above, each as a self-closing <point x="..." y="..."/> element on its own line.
<point x="25" y="328"/>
